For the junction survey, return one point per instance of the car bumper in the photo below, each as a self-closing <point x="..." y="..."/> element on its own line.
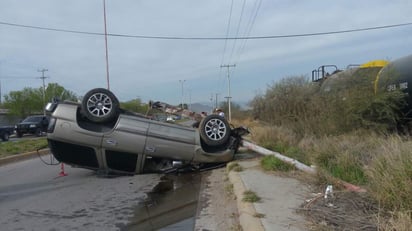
<point x="25" y="130"/>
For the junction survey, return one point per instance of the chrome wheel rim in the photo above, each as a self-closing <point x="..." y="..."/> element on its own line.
<point x="99" y="105"/>
<point x="215" y="129"/>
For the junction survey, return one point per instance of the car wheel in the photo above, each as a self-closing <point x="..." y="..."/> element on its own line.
<point x="214" y="130"/>
<point x="100" y="105"/>
<point x="38" y="132"/>
<point x="5" y="136"/>
<point x="19" y="134"/>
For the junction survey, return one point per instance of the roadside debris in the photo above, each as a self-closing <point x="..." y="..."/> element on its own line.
<point x="347" y="211"/>
<point x="297" y="164"/>
<point x="264" y="151"/>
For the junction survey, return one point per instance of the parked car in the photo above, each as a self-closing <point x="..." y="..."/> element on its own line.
<point x="5" y="132"/>
<point x="36" y="125"/>
<point x="96" y="134"/>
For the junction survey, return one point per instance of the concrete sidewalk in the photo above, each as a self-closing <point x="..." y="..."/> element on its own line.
<point x="280" y="196"/>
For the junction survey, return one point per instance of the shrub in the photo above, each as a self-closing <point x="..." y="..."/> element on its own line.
<point x="341" y="105"/>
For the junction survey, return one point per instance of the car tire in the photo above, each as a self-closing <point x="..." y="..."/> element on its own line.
<point x="5" y="136"/>
<point x="38" y="132"/>
<point x="214" y="130"/>
<point x="19" y="134"/>
<point x="100" y="105"/>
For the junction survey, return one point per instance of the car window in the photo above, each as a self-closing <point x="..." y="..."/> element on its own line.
<point x="33" y="119"/>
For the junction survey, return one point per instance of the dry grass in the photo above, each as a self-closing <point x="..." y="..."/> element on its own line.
<point x="390" y="174"/>
<point x="382" y="164"/>
<point x="399" y="221"/>
<point x="234" y="166"/>
<point x="345" y="211"/>
<point x="348" y="132"/>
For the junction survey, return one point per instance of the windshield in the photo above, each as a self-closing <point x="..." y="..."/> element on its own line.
<point x="33" y="119"/>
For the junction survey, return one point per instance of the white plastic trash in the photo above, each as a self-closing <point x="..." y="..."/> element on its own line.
<point x="329" y="191"/>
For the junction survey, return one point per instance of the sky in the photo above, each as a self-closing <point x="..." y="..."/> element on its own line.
<point x="173" y="51"/>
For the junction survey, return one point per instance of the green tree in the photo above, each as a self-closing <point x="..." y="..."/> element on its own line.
<point x="236" y="110"/>
<point x="54" y="90"/>
<point x="134" y="105"/>
<point x="30" y="100"/>
<point x="23" y="103"/>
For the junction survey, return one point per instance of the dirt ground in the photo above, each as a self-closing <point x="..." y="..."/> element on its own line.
<point x="218" y="208"/>
<point x="344" y="211"/>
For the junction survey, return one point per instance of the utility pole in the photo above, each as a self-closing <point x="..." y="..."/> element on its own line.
<point x="105" y="42"/>
<point x="190" y="99"/>
<point x="216" y="100"/>
<point x="182" y="82"/>
<point x="0" y="84"/>
<point x="211" y="101"/>
<point x="228" y="88"/>
<point x="44" y="88"/>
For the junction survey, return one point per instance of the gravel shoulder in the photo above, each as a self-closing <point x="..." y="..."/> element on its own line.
<point x="217" y="208"/>
<point x="221" y="206"/>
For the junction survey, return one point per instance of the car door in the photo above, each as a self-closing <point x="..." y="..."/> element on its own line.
<point x="170" y="141"/>
<point x="123" y="146"/>
<point x="70" y="143"/>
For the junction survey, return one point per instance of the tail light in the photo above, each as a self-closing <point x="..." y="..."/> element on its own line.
<point x="50" y="107"/>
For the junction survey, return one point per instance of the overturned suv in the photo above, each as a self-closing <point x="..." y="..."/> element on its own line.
<point x="97" y="134"/>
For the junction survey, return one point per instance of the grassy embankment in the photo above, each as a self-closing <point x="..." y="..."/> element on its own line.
<point x="21" y="146"/>
<point x="349" y="133"/>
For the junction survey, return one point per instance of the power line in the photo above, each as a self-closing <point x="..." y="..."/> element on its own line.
<point x="249" y="27"/>
<point x="237" y="30"/>
<point x="227" y="35"/>
<point x="227" y="32"/>
<point x="211" y="38"/>
<point x="17" y="77"/>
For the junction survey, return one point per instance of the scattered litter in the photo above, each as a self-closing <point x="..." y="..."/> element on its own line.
<point x="329" y="191"/>
<point x="349" y="211"/>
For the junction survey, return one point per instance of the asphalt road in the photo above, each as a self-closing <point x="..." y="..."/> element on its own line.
<point x="34" y="197"/>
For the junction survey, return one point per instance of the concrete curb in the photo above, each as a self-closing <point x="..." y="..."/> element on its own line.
<point x="246" y="210"/>
<point x="23" y="156"/>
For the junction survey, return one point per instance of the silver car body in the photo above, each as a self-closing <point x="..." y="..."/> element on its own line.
<point x="126" y="145"/>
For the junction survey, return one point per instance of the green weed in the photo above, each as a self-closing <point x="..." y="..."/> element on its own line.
<point x="235" y="167"/>
<point x="259" y="215"/>
<point x="250" y="196"/>
<point x="271" y="163"/>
